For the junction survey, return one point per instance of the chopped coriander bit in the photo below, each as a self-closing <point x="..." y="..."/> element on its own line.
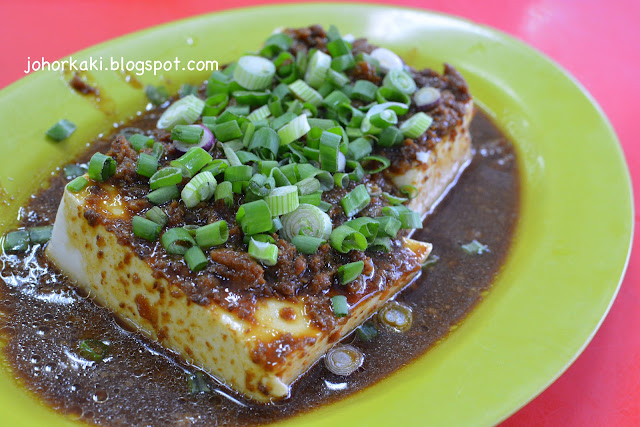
<point x="61" y="130"/>
<point x="475" y="248"/>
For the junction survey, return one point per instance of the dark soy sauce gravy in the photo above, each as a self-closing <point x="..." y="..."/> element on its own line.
<point x="139" y="383"/>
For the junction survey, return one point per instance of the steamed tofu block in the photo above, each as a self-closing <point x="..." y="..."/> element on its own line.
<point x="259" y="354"/>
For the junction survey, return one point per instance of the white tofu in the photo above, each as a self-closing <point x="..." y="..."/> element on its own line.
<point x="210" y="337"/>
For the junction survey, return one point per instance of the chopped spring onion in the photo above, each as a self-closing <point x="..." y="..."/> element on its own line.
<point x="227" y="131"/>
<point x="382" y="244"/>
<point x="331" y="159"/>
<point x="347" y="273"/>
<point x="356" y="200"/>
<point x="364" y="90"/>
<point x="186" y="133"/>
<point x="254" y="217"/>
<point x="334" y="99"/>
<point x="259" y="113"/>
<point x="400" y="80"/>
<point x="395" y="316"/>
<point x="265" y="142"/>
<point x="408" y="219"/>
<point x="177" y="241"/>
<point x="213" y="234"/>
<point x="192" y="161"/>
<point x="343" y="62"/>
<point x="307" y="220"/>
<point x="157" y="95"/>
<point x="252" y="98"/>
<point x="416" y="125"/>
<point x="238" y="173"/>
<point x="41" y="234"/>
<point x="343" y="360"/>
<point x="165" y="177"/>
<point x="282" y="120"/>
<point x="158" y="150"/>
<point x="195" y="258"/>
<point x="426" y="98"/>
<point x="215" y="104"/>
<point x="359" y="148"/>
<point x="93" y="350"/>
<point x="260" y="186"/>
<point x="187" y="89"/>
<point x="145" y="228"/>
<point x="367" y="331"/>
<point x="294" y="130"/>
<point x="232" y="158"/>
<point x="224" y="192"/>
<point x="199" y="189"/>
<point x="357" y="172"/>
<point x="101" y="167"/>
<point x="381" y="161"/>
<point x="182" y="112"/>
<point x="388" y="94"/>
<point x="308" y="186"/>
<point x="147" y="165"/>
<point x="218" y="83"/>
<point x="475" y="248"/>
<point x="305" y="92"/>
<point x="410" y="190"/>
<point x="390" y="136"/>
<point x="319" y="64"/>
<point x="158" y="216"/>
<point x="344" y="239"/>
<point x="365" y="225"/>
<point x="217" y="166"/>
<point x="163" y="194"/>
<point x="283" y="200"/>
<point x="276" y="43"/>
<point x="394" y="200"/>
<point x="387" y="59"/>
<point x="286" y="70"/>
<point x="384" y="119"/>
<point x="254" y="72"/>
<point x="61" y="130"/>
<point x="139" y="141"/>
<point x="337" y="78"/>
<point x="266" y="253"/>
<point x="16" y="241"/>
<point x="341" y="180"/>
<point x="312" y="199"/>
<point x="340" y="308"/>
<point x="78" y="184"/>
<point x="307" y="244"/>
<point x="338" y="47"/>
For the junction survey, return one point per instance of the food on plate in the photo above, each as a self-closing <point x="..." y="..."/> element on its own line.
<point x="251" y="224"/>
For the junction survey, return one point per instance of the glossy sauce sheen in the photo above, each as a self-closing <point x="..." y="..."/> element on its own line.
<point x="139" y="383"/>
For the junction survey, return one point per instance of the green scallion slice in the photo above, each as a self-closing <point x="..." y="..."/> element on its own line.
<point x="381" y="244"/>
<point x="282" y="200"/>
<point x="93" y="350"/>
<point x="199" y="189"/>
<point x="224" y="192"/>
<point x="356" y="200"/>
<point x="187" y="89"/>
<point x="384" y="119"/>
<point x="187" y="133"/>
<point x="294" y="130"/>
<point x="238" y="173"/>
<point x="408" y="218"/>
<point x="139" y="141"/>
<point x="337" y="78"/>
<point x="16" y="241"/>
<point x="306" y="220"/>
<point x="390" y="136"/>
<point x="416" y="125"/>
<point x="101" y="167"/>
<point x="266" y="253"/>
<point x="40" y="234"/>
<point x="163" y="194"/>
<point x="74" y="170"/>
<point x="259" y="113"/>
<point x="254" y="217"/>
<point x="254" y="72"/>
<point x="147" y="165"/>
<point x="345" y="239"/>
<point x="176" y="241"/>
<point x="145" y="228"/>
<point x="359" y="148"/>
<point x="227" y="131"/>
<point x="192" y="161"/>
<point x="182" y="112"/>
<point x="367" y="331"/>
<point x="305" y="92"/>
<point x="165" y="177"/>
<point x="394" y="200"/>
<point x="365" y="225"/>
<point x="265" y="142"/>
<point x="364" y="90"/>
<point x="400" y="80"/>
<point x="308" y="186"/>
<point x="157" y="95"/>
<point x="340" y="305"/>
<point x="347" y="273"/>
<point x="213" y="234"/>
<point x="61" y="130"/>
<point x="307" y="244"/>
<point x="319" y="64"/>
<point x="78" y="184"/>
<point x="276" y="43"/>
<point x="157" y="215"/>
<point x="374" y="164"/>
<point x="195" y="258"/>
<point x="389" y="226"/>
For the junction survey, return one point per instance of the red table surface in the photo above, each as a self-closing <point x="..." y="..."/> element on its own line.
<point x="595" y="40"/>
